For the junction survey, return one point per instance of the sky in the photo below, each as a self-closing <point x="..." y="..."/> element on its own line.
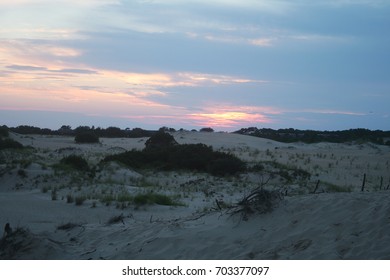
<point x="230" y="64"/>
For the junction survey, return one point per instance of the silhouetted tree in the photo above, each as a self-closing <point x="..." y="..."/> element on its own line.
<point x="4" y="131"/>
<point x="160" y="140"/>
<point x="86" y="137"/>
<point x="206" y="129"/>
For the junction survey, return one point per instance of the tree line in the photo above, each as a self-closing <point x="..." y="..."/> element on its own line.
<point x="313" y="136"/>
<point x="109" y="132"/>
<point x="66" y="130"/>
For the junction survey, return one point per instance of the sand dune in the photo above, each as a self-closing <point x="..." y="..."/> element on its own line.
<point x="337" y="222"/>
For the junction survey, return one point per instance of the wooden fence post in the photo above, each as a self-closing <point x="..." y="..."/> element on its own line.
<point x="318" y="183"/>
<point x="364" y="182"/>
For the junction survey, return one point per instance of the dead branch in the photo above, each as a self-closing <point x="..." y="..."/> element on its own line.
<point x="259" y="201"/>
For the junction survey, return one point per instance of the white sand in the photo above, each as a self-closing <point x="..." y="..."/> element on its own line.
<point x="325" y="225"/>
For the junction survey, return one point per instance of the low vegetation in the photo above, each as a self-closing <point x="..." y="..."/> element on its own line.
<point x="110" y="132"/>
<point x="8" y="143"/>
<point x="75" y="162"/>
<point x="155" y="198"/>
<point x="141" y="199"/>
<point x="258" y="201"/>
<point x="86" y="137"/>
<point x="312" y="136"/>
<point x="192" y="157"/>
<point x="4" y="131"/>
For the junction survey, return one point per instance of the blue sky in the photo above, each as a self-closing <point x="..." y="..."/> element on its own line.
<point x="190" y="64"/>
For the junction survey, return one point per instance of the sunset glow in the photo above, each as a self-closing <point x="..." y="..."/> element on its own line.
<point x="128" y="65"/>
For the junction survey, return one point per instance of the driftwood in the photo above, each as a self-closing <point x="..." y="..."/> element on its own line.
<point x="116" y="219"/>
<point x="259" y="201"/>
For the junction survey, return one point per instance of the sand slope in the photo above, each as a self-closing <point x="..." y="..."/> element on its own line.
<point x="325" y="225"/>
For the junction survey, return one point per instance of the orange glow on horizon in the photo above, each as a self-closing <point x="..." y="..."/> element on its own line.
<point x="228" y="119"/>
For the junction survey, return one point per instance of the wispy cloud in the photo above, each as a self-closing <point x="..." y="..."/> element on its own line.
<point x="44" y="69"/>
<point x="333" y="112"/>
<point x="260" y="42"/>
<point x="40" y="33"/>
<point x="35" y="53"/>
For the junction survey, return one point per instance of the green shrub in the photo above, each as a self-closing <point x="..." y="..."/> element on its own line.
<point x="160" y="140"/>
<point x="4" y="131"/>
<point x="45" y="189"/>
<point x="54" y="194"/>
<point x="8" y="143"/>
<point x="75" y="162"/>
<point x="69" y="198"/>
<point x="226" y="165"/>
<point x="335" y="188"/>
<point x="124" y="197"/>
<point x="194" y="157"/>
<point x="107" y="199"/>
<point x="153" y="198"/>
<point x="79" y="200"/>
<point x="86" y="137"/>
<point x="206" y="129"/>
<point x="22" y="173"/>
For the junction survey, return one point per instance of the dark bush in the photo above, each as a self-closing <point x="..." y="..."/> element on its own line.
<point x="111" y="132"/>
<point x="206" y="129"/>
<point x="9" y="144"/>
<point x="4" y="131"/>
<point x="79" y="200"/>
<point x="86" y="137"/>
<point x="160" y="140"/>
<point x="69" y="198"/>
<point x="259" y="201"/>
<point x="138" y="133"/>
<point x="154" y="198"/>
<point x="226" y="165"/>
<point x="196" y="157"/>
<point x="22" y="173"/>
<point x="75" y="162"/>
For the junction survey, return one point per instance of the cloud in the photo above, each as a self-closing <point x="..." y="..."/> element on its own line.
<point x="259" y="42"/>
<point x="26" y="68"/>
<point x="262" y="42"/>
<point x="333" y="112"/>
<point x="40" y="33"/>
<point x="195" y="79"/>
<point x="36" y="53"/>
<point x="44" y="69"/>
<point x="230" y="116"/>
<point x="369" y="3"/>
<point x="262" y="5"/>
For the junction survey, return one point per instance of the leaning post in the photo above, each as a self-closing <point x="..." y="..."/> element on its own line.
<point x="364" y="182"/>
